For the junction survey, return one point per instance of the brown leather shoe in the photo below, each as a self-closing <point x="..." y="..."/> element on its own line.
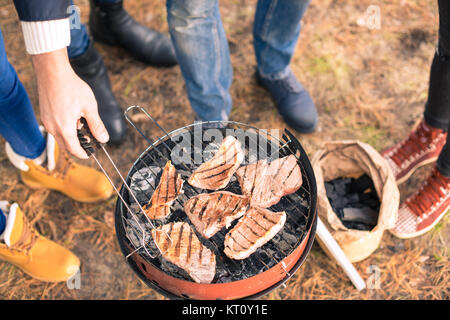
<point x="58" y="172"/>
<point x="422" y="211"/>
<point x="421" y="147"/>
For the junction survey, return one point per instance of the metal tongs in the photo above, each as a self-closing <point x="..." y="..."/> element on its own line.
<point x="90" y="144"/>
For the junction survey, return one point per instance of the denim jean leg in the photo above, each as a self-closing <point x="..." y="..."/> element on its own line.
<point x="79" y="38"/>
<point x="275" y="33"/>
<point x="79" y="42"/>
<point x="18" y="124"/>
<point x="203" y="55"/>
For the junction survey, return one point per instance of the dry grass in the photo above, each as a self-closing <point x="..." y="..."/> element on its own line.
<point x="368" y="84"/>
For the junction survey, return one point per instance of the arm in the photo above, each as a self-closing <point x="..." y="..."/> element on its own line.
<point x="45" y="24"/>
<point x="64" y="98"/>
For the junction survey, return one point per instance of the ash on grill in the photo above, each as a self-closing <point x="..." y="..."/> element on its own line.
<point x="143" y="183"/>
<point x="145" y="179"/>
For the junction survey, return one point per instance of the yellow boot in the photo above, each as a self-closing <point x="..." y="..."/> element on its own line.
<point x="60" y="173"/>
<point x="37" y="256"/>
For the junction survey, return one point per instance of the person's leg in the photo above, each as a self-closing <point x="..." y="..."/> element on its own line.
<point x="203" y="55"/>
<point x="36" y="255"/>
<point x="18" y="124"/>
<point x="110" y="23"/>
<point x="443" y="162"/>
<point x="437" y="108"/>
<point x="425" y="142"/>
<point x="79" y="42"/>
<point x="275" y="34"/>
<point x="2" y="221"/>
<point x="421" y="211"/>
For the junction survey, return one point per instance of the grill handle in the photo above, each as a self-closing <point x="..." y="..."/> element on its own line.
<point x="130" y="120"/>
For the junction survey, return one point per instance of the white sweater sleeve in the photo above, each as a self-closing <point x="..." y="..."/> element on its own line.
<point x="46" y="36"/>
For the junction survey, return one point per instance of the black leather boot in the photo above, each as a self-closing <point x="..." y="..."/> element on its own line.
<point x="89" y="67"/>
<point x="111" y="24"/>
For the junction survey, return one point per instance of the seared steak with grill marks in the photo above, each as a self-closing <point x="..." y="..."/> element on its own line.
<point x="252" y="231"/>
<point x="166" y="192"/>
<point x="210" y="212"/>
<point x="251" y="175"/>
<point x="215" y="174"/>
<point x="286" y="173"/>
<point x="185" y="251"/>
<point x="265" y="183"/>
<point x="158" y="212"/>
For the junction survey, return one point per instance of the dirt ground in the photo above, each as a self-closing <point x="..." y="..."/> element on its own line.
<point x="368" y="84"/>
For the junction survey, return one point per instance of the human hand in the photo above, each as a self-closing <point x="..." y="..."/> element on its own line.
<point x="64" y="99"/>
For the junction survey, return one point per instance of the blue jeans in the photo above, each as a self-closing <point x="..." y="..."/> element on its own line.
<point x="203" y="55"/>
<point x="79" y="41"/>
<point x="18" y="124"/>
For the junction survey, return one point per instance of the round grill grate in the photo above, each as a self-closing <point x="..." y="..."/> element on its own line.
<point x="187" y="148"/>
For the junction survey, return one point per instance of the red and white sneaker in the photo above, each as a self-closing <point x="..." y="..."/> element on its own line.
<point x="422" y="211"/>
<point x="421" y="147"/>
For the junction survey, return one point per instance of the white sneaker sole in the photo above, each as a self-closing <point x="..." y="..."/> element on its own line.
<point x="423" y="231"/>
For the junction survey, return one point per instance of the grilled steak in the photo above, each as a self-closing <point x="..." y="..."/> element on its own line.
<point x="210" y="212"/>
<point x="265" y="183"/>
<point x="286" y="173"/>
<point x="251" y="175"/>
<point x="185" y="251"/>
<point x="252" y="231"/>
<point x="166" y="192"/>
<point x="158" y="212"/>
<point x="217" y="172"/>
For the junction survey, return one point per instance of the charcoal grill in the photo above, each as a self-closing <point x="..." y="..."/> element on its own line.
<point x="266" y="269"/>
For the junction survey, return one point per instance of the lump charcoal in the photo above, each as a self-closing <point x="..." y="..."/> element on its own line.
<point x="339" y="212"/>
<point x="365" y="215"/>
<point x="143" y="183"/>
<point x="341" y="185"/>
<point x="358" y="226"/>
<point x="354" y="201"/>
<point x="364" y="197"/>
<point x="329" y="188"/>
<point x="361" y="184"/>
<point x="372" y="203"/>
<point x="339" y="203"/>
<point x="352" y="198"/>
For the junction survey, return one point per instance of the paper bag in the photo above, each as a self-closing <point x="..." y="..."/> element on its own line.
<point x="352" y="159"/>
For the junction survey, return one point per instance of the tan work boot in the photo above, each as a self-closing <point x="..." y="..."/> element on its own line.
<point x="55" y="170"/>
<point x="37" y="256"/>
